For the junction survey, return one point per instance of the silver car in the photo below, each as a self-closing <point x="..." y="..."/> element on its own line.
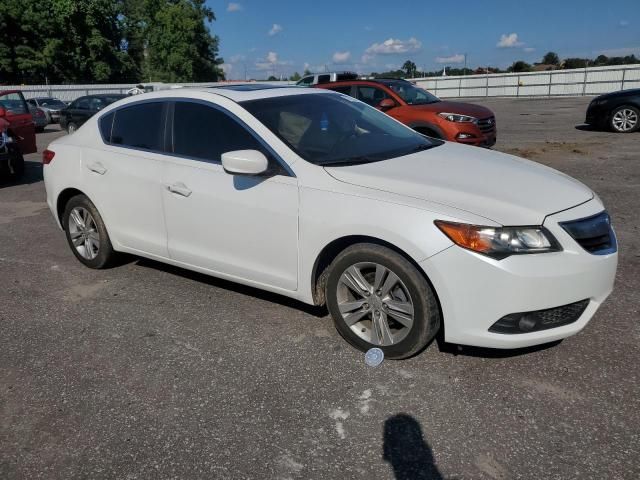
<point x="50" y="105"/>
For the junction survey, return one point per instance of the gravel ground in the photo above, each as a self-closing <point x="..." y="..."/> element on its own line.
<point x="149" y="371"/>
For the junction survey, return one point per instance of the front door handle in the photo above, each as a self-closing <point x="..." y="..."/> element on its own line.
<point x="97" y="167"/>
<point x="179" y="188"/>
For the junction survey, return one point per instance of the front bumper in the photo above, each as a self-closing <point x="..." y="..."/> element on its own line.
<point x="475" y="291"/>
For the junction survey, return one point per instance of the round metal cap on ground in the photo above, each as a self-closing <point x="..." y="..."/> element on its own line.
<point x="373" y="357"/>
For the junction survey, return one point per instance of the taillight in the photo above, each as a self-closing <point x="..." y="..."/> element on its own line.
<point x="47" y="156"/>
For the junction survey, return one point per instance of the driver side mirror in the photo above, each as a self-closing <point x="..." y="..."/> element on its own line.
<point x="3" y="112"/>
<point x="386" y="104"/>
<point x="245" y="162"/>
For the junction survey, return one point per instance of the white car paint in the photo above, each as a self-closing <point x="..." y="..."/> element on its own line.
<point x="268" y="232"/>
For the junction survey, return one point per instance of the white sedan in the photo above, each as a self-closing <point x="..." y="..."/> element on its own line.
<point x="317" y="196"/>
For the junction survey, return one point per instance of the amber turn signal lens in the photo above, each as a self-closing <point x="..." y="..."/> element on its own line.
<point x="468" y="236"/>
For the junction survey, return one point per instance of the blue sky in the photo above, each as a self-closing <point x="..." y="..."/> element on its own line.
<point x="280" y="37"/>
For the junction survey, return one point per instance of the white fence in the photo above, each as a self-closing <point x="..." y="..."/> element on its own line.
<point x="583" y="81"/>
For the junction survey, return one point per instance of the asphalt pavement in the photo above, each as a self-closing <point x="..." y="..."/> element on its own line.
<point x="149" y="371"/>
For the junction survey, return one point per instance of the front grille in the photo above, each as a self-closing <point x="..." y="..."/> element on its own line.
<point x="594" y="233"/>
<point x="487" y="125"/>
<point x="526" y="322"/>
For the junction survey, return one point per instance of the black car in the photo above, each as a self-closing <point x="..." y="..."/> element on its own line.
<point x="618" y="111"/>
<point x="83" y="108"/>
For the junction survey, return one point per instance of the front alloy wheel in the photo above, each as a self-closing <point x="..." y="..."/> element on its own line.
<point x="625" y="119"/>
<point x="379" y="298"/>
<point x="375" y="304"/>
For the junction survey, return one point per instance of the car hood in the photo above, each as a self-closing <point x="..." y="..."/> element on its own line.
<point x="503" y="188"/>
<point x="470" y="109"/>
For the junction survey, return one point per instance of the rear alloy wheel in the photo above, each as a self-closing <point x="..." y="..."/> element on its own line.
<point x="86" y="233"/>
<point x="378" y="299"/>
<point x="625" y="119"/>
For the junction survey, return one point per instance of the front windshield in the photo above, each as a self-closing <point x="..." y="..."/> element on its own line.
<point x="51" y="102"/>
<point x="332" y="129"/>
<point x="411" y="94"/>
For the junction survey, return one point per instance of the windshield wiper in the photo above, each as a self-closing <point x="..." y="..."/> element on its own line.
<point x="349" y="161"/>
<point x="419" y="148"/>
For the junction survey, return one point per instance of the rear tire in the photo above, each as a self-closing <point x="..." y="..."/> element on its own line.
<point x="87" y="234"/>
<point x="377" y="298"/>
<point x="625" y="119"/>
<point x="71" y="127"/>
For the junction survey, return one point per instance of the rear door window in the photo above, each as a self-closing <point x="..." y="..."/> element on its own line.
<point x="343" y="89"/>
<point x="205" y="133"/>
<point x="82" y="104"/>
<point x="139" y="126"/>
<point x="324" y="78"/>
<point x="13" y="103"/>
<point x="371" y="95"/>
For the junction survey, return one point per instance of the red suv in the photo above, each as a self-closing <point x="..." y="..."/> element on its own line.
<point x="423" y="111"/>
<point x="17" y="133"/>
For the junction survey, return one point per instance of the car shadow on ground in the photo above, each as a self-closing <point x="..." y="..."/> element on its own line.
<point x="228" y="285"/>
<point x="481" y="352"/>
<point x="405" y="448"/>
<point x="32" y="174"/>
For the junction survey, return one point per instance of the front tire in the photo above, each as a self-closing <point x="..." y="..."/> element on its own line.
<point x="377" y="298"/>
<point x="625" y="119"/>
<point x="86" y="233"/>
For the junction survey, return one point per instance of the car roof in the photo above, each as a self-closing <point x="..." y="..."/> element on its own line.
<point x="252" y="91"/>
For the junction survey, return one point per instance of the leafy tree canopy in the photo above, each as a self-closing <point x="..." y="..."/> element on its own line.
<point x="97" y="41"/>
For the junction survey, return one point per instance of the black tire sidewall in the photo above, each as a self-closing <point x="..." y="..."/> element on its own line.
<point x="105" y="252"/>
<point x="624" y="107"/>
<point x="426" y="310"/>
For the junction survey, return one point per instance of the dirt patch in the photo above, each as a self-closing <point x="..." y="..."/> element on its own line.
<point x="550" y="148"/>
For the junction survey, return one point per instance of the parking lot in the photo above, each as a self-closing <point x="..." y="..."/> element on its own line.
<point x="149" y="371"/>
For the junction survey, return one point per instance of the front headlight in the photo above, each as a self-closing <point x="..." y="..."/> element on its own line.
<point x="457" y="118"/>
<point x="500" y="242"/>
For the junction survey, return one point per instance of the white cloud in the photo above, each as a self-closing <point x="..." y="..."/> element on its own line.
<point x="237" y="58"/>
<point x="529" y="49"/>
<point x="619" y="52"/>
<point x="457" y="58"/>
<point x="271" y="61"/>
<point x="234" y="7"/>
<point x="272" y="57"/>
<point x="341" y="57"/>
<point x="276" y="29"/>
<point x="227" y="68"/>
<point x="394" y="45"/>
<point x="624" y="23"/>
<point x="509" y="41"/>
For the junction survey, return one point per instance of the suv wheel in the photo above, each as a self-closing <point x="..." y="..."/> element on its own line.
<point x="625" y="119"/>
<point x="377" y="298"/>
<point x="86" y="233"/>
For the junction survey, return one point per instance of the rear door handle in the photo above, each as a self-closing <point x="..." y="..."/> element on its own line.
<point x="97" y="167"/>
<point x="179" y="188"/>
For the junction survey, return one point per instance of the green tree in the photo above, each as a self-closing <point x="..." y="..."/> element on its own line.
<point x="575" y="63"/>
<point x="409" y="68"/>
<point x="519" y="66"/>
<point x="271" y="78"/>
<point x="295" y="77"/>
<point x="551" y="58"/>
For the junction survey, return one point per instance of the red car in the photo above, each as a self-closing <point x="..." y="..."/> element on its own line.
<point x="423" y="111"/>
<point x="17" y="133"/>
